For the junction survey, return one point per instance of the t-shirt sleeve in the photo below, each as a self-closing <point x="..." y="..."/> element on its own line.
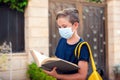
<point x="84" y="54"/>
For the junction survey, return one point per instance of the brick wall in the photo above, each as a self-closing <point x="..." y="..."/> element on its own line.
<point x="36" y="37"/>
<point x="18" y="67"/>
<point x="36" y="26"/>
<point x="113" y="11"/>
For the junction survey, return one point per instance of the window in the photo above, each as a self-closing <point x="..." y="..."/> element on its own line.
<point x="12" y="28"/>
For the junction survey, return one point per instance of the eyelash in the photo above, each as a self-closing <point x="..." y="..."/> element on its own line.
<point x="62" y="26"/>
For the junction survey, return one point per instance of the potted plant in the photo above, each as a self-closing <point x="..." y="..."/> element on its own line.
<point x="36" y="73"/>
<point x="116" y="70"/>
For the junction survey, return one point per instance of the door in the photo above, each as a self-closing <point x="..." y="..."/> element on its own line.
<point x="94" y="32"/>
<point x="92" y="27"/>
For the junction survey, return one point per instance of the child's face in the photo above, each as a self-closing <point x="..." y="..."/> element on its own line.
<point x="65" y="28"/>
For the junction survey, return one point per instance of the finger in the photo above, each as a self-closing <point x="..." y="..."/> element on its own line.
<point x="46" y="71"/>
<point x="54" y="69"/>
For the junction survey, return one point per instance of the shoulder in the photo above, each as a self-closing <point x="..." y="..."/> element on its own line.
<point x="84" y="52"/>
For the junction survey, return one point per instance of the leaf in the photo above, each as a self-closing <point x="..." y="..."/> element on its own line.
<point x="18" y="5"/>
<point x="12" y="6"/>
<point x="19" y="9"/>
<point x="0" y="1"/>
<point x="25" y="3"/>
<point x="36" y="73"/>
<point x="6" y="1"/>
<point x="13" y="1"/>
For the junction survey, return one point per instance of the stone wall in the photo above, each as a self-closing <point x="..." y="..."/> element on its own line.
<point x="18" y="67"/>
<point x="36" y="26"/>
<point x="36" y="37"/>
<point x="113" y="12"/>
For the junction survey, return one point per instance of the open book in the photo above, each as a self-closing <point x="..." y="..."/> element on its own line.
<point x="47" y="63"/>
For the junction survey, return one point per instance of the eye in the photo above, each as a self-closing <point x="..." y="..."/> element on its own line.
<point x="64" y="26"/>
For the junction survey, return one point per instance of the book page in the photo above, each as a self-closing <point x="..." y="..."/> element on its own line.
<point x="38" y="57"/>
<point x="49" y="60"/>
<point x="70" y="63"/>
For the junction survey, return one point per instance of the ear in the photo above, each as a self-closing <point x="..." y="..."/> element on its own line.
<point x="76" y="24"/>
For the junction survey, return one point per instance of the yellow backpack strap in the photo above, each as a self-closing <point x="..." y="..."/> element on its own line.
<point x="77" y="53"/>
<point x="76" y="50"/>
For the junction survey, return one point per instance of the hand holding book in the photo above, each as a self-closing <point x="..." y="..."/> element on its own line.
<point x="47" y="63"/>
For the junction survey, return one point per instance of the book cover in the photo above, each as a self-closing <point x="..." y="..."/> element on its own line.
<point x="48" y="63"/>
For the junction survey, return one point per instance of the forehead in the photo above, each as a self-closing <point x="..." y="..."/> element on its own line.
<point x="63" y="20"/>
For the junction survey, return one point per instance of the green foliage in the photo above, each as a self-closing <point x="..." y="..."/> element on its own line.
<point x="18" y="5"/>
<point x="97" y="1"/>
<point x="36" y="73"/>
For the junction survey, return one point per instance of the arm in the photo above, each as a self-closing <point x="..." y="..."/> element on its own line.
<point x="81" y="75"/>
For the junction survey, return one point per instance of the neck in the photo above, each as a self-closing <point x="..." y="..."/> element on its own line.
<point x="74" y="39"/>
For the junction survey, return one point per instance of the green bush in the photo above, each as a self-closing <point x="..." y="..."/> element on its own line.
<point x="36" y="73"/>
<point x="18" y="5"/>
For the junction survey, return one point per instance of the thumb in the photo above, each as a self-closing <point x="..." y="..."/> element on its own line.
<point x="46" y="71"/>
<point x="54" y="69"/>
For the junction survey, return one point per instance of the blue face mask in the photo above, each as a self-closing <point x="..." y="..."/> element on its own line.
<point x="66" y="32"/>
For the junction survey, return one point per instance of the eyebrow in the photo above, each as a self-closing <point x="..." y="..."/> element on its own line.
<point x="63" y="24"/>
